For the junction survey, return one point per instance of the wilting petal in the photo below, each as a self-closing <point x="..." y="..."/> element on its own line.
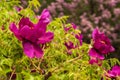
<point x="14" y="29"/>
<point x="38" y="51"/>
<point x="95" y="54"/>
<point x="47" y="37"/>
<point x="28" y="49"/>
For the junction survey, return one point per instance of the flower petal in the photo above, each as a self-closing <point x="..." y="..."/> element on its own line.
<point x="25" y="31"/>
<point x="28" y="49"/>
<point x="38" y="51"/>
<point x="43" y="21"/>
<point x="29" y="34"/>
<point x="69" y="45"/>
<point x="47" y="37"/>
<point x="92" y="61"/>
<point x="95" y="34"/>
<point x="73" y="25"/>
<point x="67" y="28"/>
<point x="25" y="21"/>
<point x="114" y="72"/>
<point x="79" y="37"/>
<point x="95" y="54"/>
<point x="112" y="49"/>
<point x="45" y="15"/>
<point x="14" y="29"/>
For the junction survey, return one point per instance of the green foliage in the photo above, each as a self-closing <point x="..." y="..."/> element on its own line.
<point x="56" y="64"/>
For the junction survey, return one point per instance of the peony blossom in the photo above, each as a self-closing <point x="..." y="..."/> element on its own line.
<point x="32" y="35"/>
<point x="101" y="46"/>
<point x="114" y="72"/>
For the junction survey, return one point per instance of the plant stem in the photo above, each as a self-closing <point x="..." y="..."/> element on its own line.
<point x="37" y="68"/>
<point x="66" y="62"/>
<point x="12" y="74"/>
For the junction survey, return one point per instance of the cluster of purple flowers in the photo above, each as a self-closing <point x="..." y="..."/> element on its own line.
<point x="32" y="35"/>
<point x="70" y="45"/>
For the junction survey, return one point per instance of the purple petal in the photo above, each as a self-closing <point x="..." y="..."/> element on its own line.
<point x="38" y="51"/>
<point x="112" y="49"/>
<point x="74" y="26"/>
<point x="114" y="72"/>
<point x="47" y="37"/>
<point x="25" y="21"/>
<point x="43" y="21"/>
<point x="14" y="29"/>
<point x="92" y="61"/>
<point x="29" y="34"/>
<point x="25" y="31"/>
<point x="79" y="37"/>
<point x="45" y="15"/>
<point x="28" y="49"/>
<point x="110" y="74"/>
<point x="103" y="47"/>
<point x="69" y="45"/>
<point x="95" y="54"/>
<point x="41" y="27"/>
<point x="66" y="28"/>
<point x="95" y="34"/>
<point x="116" y="67"/>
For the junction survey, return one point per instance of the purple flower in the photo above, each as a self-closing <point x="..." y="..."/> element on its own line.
<point x="95" y="56"/>
<point x="68" y="28"/>
<point x="101" y="42"/>
<point x="69" y="45"/>
<point x="32" y="35"/>
<point x="79" y="37"/>
<point x="114" y="72"/>
<point x="101" y="46"/>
